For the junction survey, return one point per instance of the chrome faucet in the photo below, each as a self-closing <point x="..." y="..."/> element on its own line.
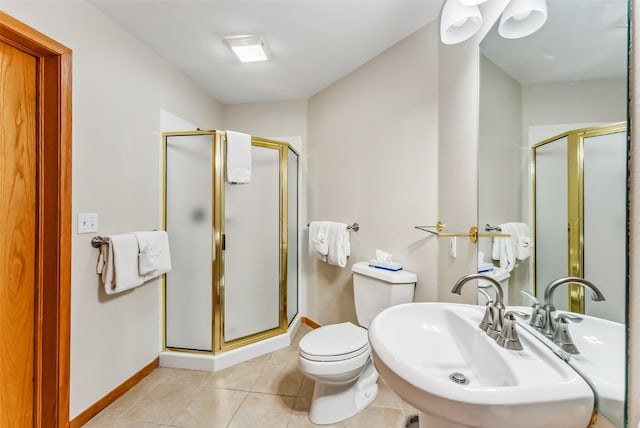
<point x="494" y="313"/>
<point x="550" y="322"/>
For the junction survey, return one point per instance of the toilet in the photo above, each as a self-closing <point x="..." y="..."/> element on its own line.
<point x="338" y="356"/>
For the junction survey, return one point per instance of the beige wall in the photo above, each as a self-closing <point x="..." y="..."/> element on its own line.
<point x="119" y="87"/>
<point x="500" y="128"/>
<point x="277" y="119"/>
<point x="457" y="159"/>
<point x="576" y="102"/>
<point x="372" y="156"/>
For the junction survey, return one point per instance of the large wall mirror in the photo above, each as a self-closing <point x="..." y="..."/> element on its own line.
<point x="552" y="137"/>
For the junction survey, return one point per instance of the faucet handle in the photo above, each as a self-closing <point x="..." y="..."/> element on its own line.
<point x="487" y="318"/>
<point x="537" y="314"/>
<point x="508" y="337"/>
<point x="510" y="315"/>
<point x="566" y="317"/>
<point x="562" y="337"/>
<point x="531" y="297"/>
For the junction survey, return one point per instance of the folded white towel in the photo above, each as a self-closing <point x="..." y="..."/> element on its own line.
<point x="154" y="257"/>
<point x="118" y="263"/>
<point x="339" y="245"/>
<point x="238" y="157"/>
<point x="318" y="244"/>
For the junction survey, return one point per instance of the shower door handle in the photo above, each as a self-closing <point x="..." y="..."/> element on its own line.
<point x="223" y="242"/>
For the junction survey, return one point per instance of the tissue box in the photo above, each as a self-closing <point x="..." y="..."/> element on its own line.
<point x="394" y="266"/>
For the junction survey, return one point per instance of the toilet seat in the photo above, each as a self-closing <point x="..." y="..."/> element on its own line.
<point x="334" y="342"/>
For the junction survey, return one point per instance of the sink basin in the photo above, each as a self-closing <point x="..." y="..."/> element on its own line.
<point x="417" y="347"/>
<point x="601" y="361"/>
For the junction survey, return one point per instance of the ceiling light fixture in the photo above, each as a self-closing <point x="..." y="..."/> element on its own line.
<point x="459" y="22"/>
<point x="248" y="48"/>
<point x="461" y="19"/>
<point x="522" y="17"/>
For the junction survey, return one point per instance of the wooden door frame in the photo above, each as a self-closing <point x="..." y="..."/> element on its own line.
<point x="53" y="222"/>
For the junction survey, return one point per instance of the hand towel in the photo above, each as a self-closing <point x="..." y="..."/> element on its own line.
<point x="506" y="247"/>
<point x="238" y="157"/>
<point x="118" y="263"/>
<point x="339" y="245"/>
<point x="318" y="244"/>
<point x="154" y="257"/>
<point x="523" y="241"/>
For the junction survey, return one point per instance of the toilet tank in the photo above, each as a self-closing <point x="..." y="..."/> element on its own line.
<point x="376" y="289"/>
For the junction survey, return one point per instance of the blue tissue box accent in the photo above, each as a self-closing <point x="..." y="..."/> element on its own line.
<point x="392" y="266"/>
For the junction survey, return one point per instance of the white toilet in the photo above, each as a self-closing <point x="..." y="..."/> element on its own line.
<point x="338" y="357"/>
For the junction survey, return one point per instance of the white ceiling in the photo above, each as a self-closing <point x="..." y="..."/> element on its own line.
<point x="313" y="42"/>
<point x="581" y="40"/>
<point x="316" y="42"/>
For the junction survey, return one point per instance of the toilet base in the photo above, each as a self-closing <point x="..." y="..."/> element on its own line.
<point x="335" y="403"/>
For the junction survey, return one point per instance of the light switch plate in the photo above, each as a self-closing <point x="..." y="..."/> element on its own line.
<point x="452" y="247"/>
<point x="87" y="222"/>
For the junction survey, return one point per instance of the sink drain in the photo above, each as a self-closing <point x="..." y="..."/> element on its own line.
<point x="459" y="378"/>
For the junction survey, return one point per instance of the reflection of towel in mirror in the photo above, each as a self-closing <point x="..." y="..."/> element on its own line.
<point x="523" y="241"/>
<point x="516" y="247"/>
<point x="318" y="244"/>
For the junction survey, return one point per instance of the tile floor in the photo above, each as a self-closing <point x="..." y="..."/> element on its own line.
<point x="266" y="392"/>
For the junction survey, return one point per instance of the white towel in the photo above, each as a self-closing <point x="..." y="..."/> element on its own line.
<point x="154" y="257"/>
<point x="506" y="248"/>
<point x="523" y="241"/>
<point x="118" y="263"/>
<point x="516" y="247"/>
<point x="238" y="157"/>
<point x="339" y="245"/>
<point x="318" y="244"/>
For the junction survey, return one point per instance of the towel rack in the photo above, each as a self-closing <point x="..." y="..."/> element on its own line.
<point x="472" y="234"/>
<point x="489" y="228"/>
<point x="355" y="227"/>
<point x="98" y="241"/>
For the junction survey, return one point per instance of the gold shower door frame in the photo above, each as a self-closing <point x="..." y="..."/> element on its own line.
<point x="575" y="203"/>
<point x="219" y="343"/>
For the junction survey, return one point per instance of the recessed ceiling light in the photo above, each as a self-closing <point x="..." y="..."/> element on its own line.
<point x="248" y="48"/>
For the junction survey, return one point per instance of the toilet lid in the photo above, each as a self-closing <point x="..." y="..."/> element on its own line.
<point x="334" y="342"/>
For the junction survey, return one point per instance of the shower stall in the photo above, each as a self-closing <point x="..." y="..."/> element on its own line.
<point x="234" y="247"/>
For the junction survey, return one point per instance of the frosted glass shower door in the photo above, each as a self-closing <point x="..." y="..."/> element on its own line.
<point x="252" y="273"/>
<point x="605" y="217"/>
<point x="550" y="216"/>
<point x="188" y="220"/>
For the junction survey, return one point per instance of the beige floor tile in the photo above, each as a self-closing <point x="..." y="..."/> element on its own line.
<point x="287" y="356"/>
<point x="306" y="388"/>
<point x="106" y="422"/>
<point x="212" y="407"/>
<point x="264" y="411"/>
<point x="161" y="404"/>
<point x="279" y="379"/>
<point x="129" y="398"/>
<point x="241" y="376"/>
<point x="376" y="417"/>
<point x="193" y="378"/>
<point x="387" y="397"/>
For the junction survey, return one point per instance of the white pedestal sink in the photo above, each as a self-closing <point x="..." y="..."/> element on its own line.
<point x="418" y="347"/>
